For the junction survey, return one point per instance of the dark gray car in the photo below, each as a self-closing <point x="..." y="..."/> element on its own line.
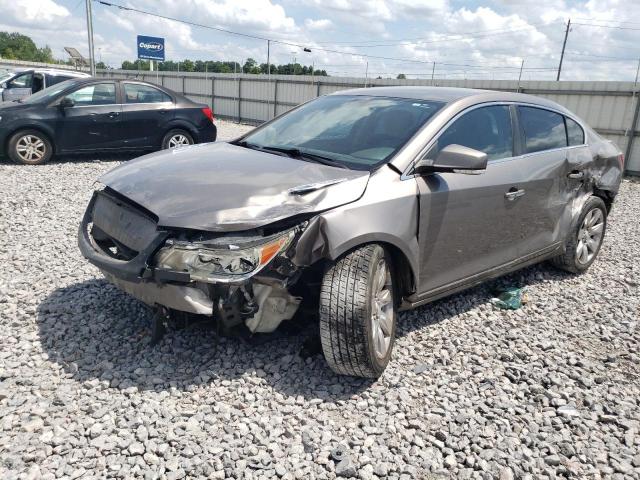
<point x="361" y="203"/>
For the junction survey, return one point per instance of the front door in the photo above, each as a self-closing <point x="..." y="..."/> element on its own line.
<point x="471" y="223"/>
<point x="93" y="120"/>
<point x="18" y="87"/>
<point x="146" y="113"/>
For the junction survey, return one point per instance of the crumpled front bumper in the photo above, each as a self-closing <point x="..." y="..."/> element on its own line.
<point x="118" y="220"/>
<point x="136" y="269"/>
<point x="138" y="278"/>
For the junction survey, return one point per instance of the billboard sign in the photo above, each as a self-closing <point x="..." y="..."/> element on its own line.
<point x="151" y="48"/>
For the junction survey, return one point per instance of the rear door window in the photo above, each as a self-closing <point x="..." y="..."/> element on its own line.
<point x="54" y="79"/>
<point x="543" y="129"/>
<point x="575" y="134"/>
<point x="137" y="93"/>
<point x="487" y="129"/>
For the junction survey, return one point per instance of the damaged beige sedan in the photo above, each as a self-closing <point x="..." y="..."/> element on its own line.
<point x="358" y="204"/>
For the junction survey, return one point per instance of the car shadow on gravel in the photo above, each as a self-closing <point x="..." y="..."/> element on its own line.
<point x="95" y="332"/>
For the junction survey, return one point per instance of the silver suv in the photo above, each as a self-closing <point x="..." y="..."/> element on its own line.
<point x="22" y="83"/>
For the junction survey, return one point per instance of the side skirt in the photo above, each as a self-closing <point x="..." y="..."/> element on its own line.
<point x="417" y="300"/>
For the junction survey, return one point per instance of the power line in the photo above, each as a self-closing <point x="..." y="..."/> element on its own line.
<point x="287" y="43"/>
<point x="424" y="40"/>
<point x="616" y="27"/>
<point x="607" y="21"/>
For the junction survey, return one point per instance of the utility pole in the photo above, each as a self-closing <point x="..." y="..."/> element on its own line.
<point x="92" y="59"/>
<point x="433" y="72"/>
<point x="520" y="76"/>
<point x="269" y="57"/>
<point x="564" y="44"/>
<point x="366" y="75"/>
<point x="637" y="71"/>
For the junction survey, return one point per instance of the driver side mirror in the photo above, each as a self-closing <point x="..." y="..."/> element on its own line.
<point x="67" y="102"/>
<point x="453" y="158"/>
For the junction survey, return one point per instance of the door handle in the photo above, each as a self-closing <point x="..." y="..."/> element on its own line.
<point x="576" y="174"/>
<point x="163" y="111"/>
<point x="113" y="114"/>
<point x="514" y="193"/>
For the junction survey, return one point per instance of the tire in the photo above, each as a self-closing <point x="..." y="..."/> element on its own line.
<point x="583" y="236"/>
<point x="182" y="137"/>
<point x="29" y="147"/>
<point x="352" y="338"/>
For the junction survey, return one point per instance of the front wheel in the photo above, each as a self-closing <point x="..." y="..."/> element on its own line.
<point x="358" y="313"/>
<point x="29" y="147"/>
<point x="176" y="138"/>
<point x="585" y="238"/>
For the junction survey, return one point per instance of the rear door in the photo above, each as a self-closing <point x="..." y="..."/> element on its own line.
<point x="146" y="113"/>
<point x="18" y="87"/>
<point x="93" y="121"/>
<point x="548" y="185"/>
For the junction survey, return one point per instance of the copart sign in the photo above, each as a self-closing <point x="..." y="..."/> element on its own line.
<point x="151" y="48"/>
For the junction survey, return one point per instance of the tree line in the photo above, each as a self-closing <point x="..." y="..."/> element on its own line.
<point x="250" y="66"/>
<point x="15" y="46"/>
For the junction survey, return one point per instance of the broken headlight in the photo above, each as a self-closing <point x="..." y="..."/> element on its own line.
<point x="216" y="262"/>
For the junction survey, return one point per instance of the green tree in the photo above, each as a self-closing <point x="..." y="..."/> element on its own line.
<point x="16" y="46"/>
<point x="401" y="76"/>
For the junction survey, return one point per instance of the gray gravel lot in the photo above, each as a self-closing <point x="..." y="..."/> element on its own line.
<point x="548" y="391"/>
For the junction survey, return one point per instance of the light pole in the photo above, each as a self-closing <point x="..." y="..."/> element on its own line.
<point x="92" y="59"/>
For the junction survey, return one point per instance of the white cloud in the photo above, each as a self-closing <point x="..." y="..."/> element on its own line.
<point x="320" y="24"/>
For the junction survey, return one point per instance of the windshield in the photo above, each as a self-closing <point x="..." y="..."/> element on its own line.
<point x="355" y="131"/>
<point x="48" y="93"/>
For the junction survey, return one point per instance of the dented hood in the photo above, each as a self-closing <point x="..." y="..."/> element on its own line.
<point x="224" y="187"/>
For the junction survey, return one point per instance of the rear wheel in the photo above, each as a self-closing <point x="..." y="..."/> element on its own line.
<point x="176" y="138"/>
<point x="585" y="238"/>
<point x="358" y="314"/>
<point x="29" y="147"/>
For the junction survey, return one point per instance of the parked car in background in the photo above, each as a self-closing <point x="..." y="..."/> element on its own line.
<point x="362" y="203"/>
<point x="83" y="115"/>
<point x="20" y="84"/>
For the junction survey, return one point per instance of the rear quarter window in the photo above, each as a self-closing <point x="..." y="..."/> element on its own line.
<point x="543" y="129"/>
<point x="575" y="134"/>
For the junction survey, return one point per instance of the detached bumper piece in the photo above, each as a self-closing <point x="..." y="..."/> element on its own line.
<point x="122" y="240"/>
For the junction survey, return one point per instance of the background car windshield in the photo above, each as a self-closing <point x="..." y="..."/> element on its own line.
<point x="357" y="131"/>
<point x="48" y="93"/>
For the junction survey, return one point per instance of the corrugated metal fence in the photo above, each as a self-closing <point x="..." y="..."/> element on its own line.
<point x="611" y="108"/>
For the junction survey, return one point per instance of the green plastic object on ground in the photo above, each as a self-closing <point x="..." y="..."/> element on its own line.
<point x="509" y="298"/>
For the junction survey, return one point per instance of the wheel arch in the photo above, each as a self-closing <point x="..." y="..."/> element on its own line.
<point x="179" y="124"/>
<point x="316" y="244"/>
<point x="43" y="130"/>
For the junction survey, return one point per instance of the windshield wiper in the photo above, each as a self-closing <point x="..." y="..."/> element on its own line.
<point x="292" y="152"/>
<point x="246" y="144"/>
<point x="297" y="153"/>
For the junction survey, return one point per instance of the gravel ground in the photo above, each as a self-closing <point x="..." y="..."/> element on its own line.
<point x="547" y="391"/>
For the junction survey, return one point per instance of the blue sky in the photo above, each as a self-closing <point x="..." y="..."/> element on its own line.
<point x="465" y="39"/>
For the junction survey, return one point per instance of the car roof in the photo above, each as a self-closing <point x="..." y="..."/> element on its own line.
<point x="468" y="96"/>
<point x="56" y="71"/>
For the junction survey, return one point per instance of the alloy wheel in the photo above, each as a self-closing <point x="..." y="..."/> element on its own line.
<point x="30" y="148"/>
<point x="590" y="236"/>
<point x="382" y="313"/>
<point x="178" y="140"/>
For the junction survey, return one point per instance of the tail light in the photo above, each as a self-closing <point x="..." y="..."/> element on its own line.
<point x="208" y="113"/>
<point x="621" y="161"/>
